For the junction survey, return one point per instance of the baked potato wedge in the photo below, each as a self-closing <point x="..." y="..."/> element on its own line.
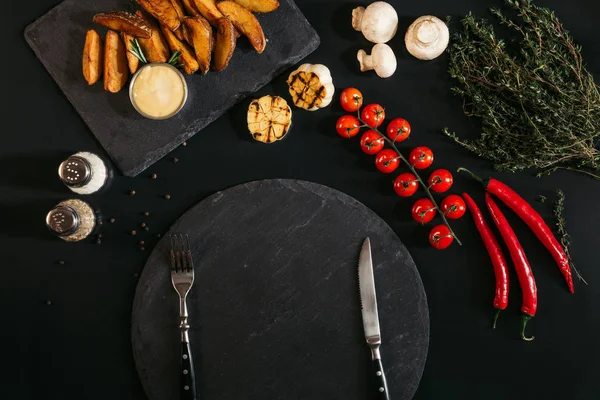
<point x="93" y="57"/>
<point x="225" y="44"/>
<point x="208" y="9"/>
<point x="163" y="11"/>
<point x="259" y="6"/>
<point x="188" y="58"/>
<point x="123" y="21"/>
<point x="156" y="49"/>
<point x="178" y="5"/>
<point x="132" y="60"/>
<point x="201" y="37"/>
<point x="245" y="22"/>
<point x="116" y="70"/>
<point x="190" y="8"/>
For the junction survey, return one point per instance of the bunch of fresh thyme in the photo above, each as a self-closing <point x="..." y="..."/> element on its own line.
<point x="539" y="106"/>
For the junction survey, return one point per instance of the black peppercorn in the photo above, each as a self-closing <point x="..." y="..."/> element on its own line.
<point x="168" y="196"/>
<point x="176" y="160"/>
<point x="61" y="262"/>
<point x="142" y="242"/>
<point x="154" y="176"/>
<point x="158" y="235"/>
<point x="184" y="144"/>
<point x="146" y="213"/>
<point x="48" y="302"/>
<point x="143" y="224"/>
<point x="146" y="229"/>
<point x="98" y="241"/>
<point x="112" y="220"/>
<point x="132" y="192"/>
<point x="142" y="248"/>
<point x="133" y="233"/>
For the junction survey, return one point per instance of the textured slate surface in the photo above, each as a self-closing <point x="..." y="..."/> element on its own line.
<point x="275" y="310"/>
<point x="133" y="142"/>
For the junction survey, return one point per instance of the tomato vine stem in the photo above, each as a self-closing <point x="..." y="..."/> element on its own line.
<point x="416" y="174"/>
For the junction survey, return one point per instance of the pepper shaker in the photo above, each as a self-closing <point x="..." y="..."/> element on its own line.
<point x="84" y="173"/>
<point x="71" y="220"/>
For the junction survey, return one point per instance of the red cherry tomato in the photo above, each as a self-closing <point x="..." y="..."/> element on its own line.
<point x="387" y="161"/>
<point x="421" y="157"/>
<point x="351" y="99"/>
<point x="373" y="115"/>
<point x="347" y="126"/>
<point x="453" y="206"/>
<point x="398" y="129"/>
<point x="440" y="237"/>
<point x="440" y="180"/>
<point x="406" y="184"/>
<point x="371" y="142"/>
<point x="423" y="211"/>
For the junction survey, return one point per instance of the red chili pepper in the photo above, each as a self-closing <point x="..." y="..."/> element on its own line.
<point x="524" y="272"/>
<point x="496" y="255"/>
<point x="533" y="219"/>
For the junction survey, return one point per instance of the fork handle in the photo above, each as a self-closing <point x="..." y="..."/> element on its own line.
<point x="188" y="378"/>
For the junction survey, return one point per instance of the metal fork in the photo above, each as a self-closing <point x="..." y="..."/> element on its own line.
<point x="182" y="277"/>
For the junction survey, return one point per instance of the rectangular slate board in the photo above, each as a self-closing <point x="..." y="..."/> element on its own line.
<point x="133" y="142"/>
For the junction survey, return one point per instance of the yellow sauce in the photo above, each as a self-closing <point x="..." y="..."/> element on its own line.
<point x="158" y="91"/>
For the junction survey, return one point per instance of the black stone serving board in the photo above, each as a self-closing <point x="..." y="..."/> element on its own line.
<point x="275" y="310"/>
<point x="133" y="142"/>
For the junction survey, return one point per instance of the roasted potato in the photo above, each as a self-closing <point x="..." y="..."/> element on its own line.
<point x="116" y="72"/>
<point x="156" y="49"/>
<point x="225" y="44"/>
<point x="208" y="9"/>
<point x="259" y="6"/>
<point x="190" y="8"/>
<point x="93" y="57"/>
<point x="188" y="59"/>
<point x="245" y="22"/>
<point x="163" y="11"/>
<point x="178" y="5"/>
<point x="132" y="60"/>
<point x="124" y="22"/>
<point x="201" y="37"/>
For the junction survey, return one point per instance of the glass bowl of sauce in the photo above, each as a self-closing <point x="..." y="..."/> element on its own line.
<point x="158" y="91"/>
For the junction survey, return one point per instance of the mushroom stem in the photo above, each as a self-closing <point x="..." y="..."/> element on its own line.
<point x="357" y="16"/>
<point x="365" y="61"/>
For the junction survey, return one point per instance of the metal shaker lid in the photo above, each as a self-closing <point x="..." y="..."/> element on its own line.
<point x="75" y="171"/>
<point x="62" y="220"/>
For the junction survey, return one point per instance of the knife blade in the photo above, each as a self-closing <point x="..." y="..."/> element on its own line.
<point x="370" y="316"/>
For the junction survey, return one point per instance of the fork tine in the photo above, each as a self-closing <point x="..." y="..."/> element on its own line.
<point x="183" y="255"/>
<point x="172" y="253"/>
<point x="177" y="254"/>
<point x="189" y="254"/>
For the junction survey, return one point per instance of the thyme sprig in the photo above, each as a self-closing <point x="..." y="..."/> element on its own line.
<point x="539" y="106"/>
<point x="561" y="226"/>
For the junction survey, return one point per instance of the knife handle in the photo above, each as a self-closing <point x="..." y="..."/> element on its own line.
<point x="382" y="387"/>
<point x="188" y="379"/>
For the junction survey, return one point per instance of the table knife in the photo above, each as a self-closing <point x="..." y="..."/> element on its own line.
<point x="368" y="303"/>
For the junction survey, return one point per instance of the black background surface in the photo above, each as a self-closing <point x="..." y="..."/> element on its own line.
<point x="79" y="345"/>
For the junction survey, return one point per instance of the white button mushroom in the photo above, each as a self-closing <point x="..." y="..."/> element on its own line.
<point x="427" y="37"/>
<point x="382" y="60"/>
<point x="378" y="22"/>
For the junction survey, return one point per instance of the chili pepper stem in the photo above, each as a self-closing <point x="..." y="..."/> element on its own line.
<point x="478" y="179"/>
<point x="416" y="174"/>
<point x="496" y="315"/>
<point x="524" y="319"/>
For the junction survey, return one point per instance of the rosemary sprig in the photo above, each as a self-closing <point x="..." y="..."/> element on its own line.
<point x="415" y="173"/>
<point x="174" y="59"/>
<point x="565" y="239"/>
<point x="137" y="51"/>
<point x="539" y="106"/>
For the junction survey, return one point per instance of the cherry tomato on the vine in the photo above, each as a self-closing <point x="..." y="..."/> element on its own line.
<point x="387" y="161"/>
<point x="398" y="129"/>
<point x="351" y="99"/>
<point x="406" y="184"/>
<point x="453" y="206"/>
<point x="440" y="237"/>
<point x="347" y="126"/>
<point x="421" y="157"/>
<point x="423" y="211"/>
<point x="373" y="115"/>
<point x="440" y="180"/>
<point x="371" y="142"/>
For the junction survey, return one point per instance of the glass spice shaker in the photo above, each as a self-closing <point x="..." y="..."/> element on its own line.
<point x="84" y="173"/>
<point x="71" y="220"/>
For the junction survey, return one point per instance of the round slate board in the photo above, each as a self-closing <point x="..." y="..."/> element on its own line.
<point x="275" y="310"/>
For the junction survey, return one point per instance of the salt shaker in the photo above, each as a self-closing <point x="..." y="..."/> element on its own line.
<point x="72" y="220"/>
<point x="84" y="173"/>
